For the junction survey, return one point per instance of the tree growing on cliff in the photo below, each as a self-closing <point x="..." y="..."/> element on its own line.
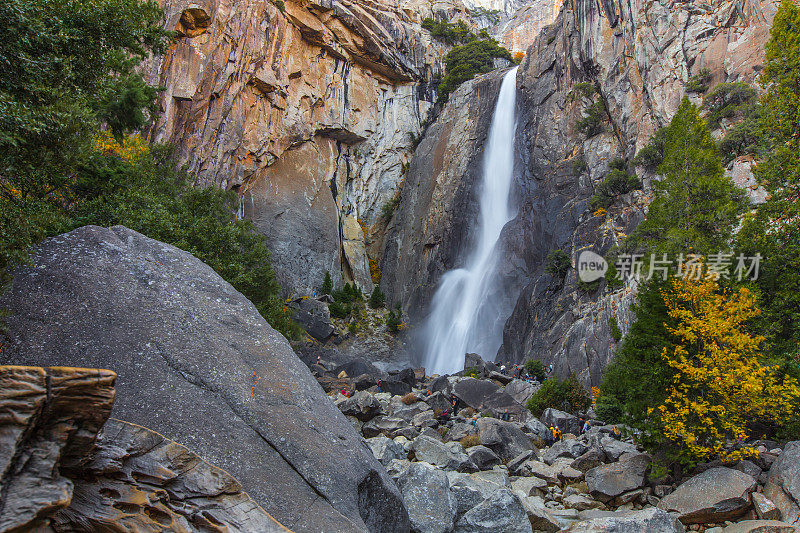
<point x="464" y="62"/>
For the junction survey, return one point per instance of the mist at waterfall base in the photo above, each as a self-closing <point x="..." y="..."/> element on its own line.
<point x="464" y="318"/>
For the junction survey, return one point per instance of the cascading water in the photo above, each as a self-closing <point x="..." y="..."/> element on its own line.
<point x="463" y="319"/>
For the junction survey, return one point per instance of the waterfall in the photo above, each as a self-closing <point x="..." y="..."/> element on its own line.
<point x="463" y="318"/>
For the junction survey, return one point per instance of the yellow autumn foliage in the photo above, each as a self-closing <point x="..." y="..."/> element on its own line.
<point x="720" y="386"/>
<point x="131" y="149"/>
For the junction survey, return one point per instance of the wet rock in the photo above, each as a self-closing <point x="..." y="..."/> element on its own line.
<point x="716" y="495"/>
<point x="609" y="481"/>
<point x="426" y="492"/>
<point x="783" y="483"/>
<point x="503" y="511"/>
<point x="182" y="340"/>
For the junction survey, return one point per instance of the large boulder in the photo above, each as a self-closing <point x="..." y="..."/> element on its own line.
<point x="469" y="490"/>
<point x="502" y="511"/>
<point x="651" y="520"/>
<point x="564" y="448"/>
<point x="449" y="456"/>
<point x="520" y="390"/>
<point x="783" y="483"/>
<point x="426" y="491"/>
<point x="197" y="363"/>
<point x="315" y="318"/>
<point x="58" y="470"/>
<point x="385" y="449"/>
<point x="760" y="526"/>
<point x="483" y="395"/>
<point x="609" y="481"/>
<point x="566" y="422"/>
<point x="505" y="439"/>
<point x="716" y="495"/>
<point x="361" y="405"/>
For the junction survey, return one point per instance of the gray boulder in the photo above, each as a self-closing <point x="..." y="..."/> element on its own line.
<point x="506" y="439"/>
<point x="647" y="521"/>
<point x="383" y="425"/>
<point x="198" y="364"/>
<point x="609" y="481"/>
<point x="475" y="392"/>
<point x="469" y="490"/>
<point x="520" y="390"/>
<point x="449" y="456"/>
<point x="716" y="495"/>
<point x="315" y="318"/>
<point x="760" y="526"/>
<point x="483" y="457"/>
<point x="564" y="448"/>
<point x="438" y="401"/>
<point x="614" y="448"/>
<point x="590" y="459"/>
<point x="566" y="422"/>
<point x="361" y="405"/>
<point x="783" y="483"/>
<point x="426" y="491"/>
<point x="385" y="449"/>
<point x="537" y="429"/>
<point x="540" y="517"/>
<point x="503" y="511"/>
<point x="461" y="430"/>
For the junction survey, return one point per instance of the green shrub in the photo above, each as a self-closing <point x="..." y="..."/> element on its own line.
<point x="340" y="309"/>
<point x="616" y="183"/>
<point x="616" y="333"/>
<point x="589" y="287"/>
<point x="464" y="62"/>
<point x="579" y="166"/>
<point x="744" y="138"/>
<point x="608" y="410"/>
<point x="568" y="395"/>
<point x="450" y="33"/>
<point x="492" y="15"/>
<point x="582" y="90"/>
<point x="395" y="320"/>
<point x="349" y="293"/>
<point x="473" y="372"/>
<point x="728" y="100"/>
<point x="388" y="209"/>
<point x="558" y="263"/>
<point x="699" y="82"/>
<point x="591" y="123"/>
<point x="535" y="368"/>
<point x="377" y="299"/>
<point x="327" y="284"/>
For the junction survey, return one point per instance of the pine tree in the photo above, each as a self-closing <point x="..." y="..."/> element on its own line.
<point x="327" y="284"/>
<point x="377" y="298"/>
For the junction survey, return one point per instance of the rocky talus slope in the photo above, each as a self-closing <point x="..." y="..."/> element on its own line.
<point x="638" y="56"/>
<point x="62" y="473"/>
<point x="487" y="466"/>
<point x="197" y="363"/>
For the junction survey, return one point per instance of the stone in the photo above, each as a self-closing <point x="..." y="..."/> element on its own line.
<point x="424" y="419"/>
<point x="588" y="460"/>
<point x="361" y="405"/>
<point x="356" y="367"/>
<point x="651" y="520"/>
<point x="520" y="390"/>
<point x="461" y="430"/>
<point x="504" y="438"/>
<point x="783" y="483"/>
<point x="581" y="502"/>
<point x="564" y="448"/>
<point x="471" y="489"/>
<point x="759" y="526"/>
<point x="540" y="470"/>
<point x="515" y="463"/>
<point x="529" y="486"/>
<point x="438" y="401"/>
<point x="540" y="517"/>
<point x="315" y="318"/>
<point x="748" y="467"/>
<point x="609" y="481"/>
<point x="483" y="457"/>
<point x="426" y="492"/>
<point x="765" y="509"/>
<point x="383" y="425"/>
<point x="437" y="453"/>
<point x="537" y="429"/>
<point x="385" y="449"/>
<point x="503" y="511"/>
<point x="716" y="495"/>
<point x="566" y="422"/>
<point x="197" y="363"/>
<point x="614" y="449"/>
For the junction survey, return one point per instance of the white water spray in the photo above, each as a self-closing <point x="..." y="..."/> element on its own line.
<point x="463" y="319"/>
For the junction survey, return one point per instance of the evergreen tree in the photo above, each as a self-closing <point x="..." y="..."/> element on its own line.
<point x="377" y="298"/>
<point x="327" y="284"/>
<point x="695" y="206"/>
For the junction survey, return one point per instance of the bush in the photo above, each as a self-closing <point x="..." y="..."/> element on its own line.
<point x="568" y="395"/>
<point x="616" y="333"/>
<point x="450" y="33"/>
<point x="579" y="166"/>
<point x="535" y="368"/>
<point x="699" y="82"/>
<point x="591" y="123"/>
<point x="473" y="372"/>
<point x="395" y="320"/>
<point x="492" y="15"/>
<point x="558" y="263"/>
<point x="464" y="62"/>
<point x="388" y="209"/>
<point x="469" y="441"/>
<point x="348" y="294"/>
<point x="410" y="398"/>
<point x="377" y="299"/>
<point x="582" y="90"/>
<point x="340" y="310"/>
<point x="728" y="100"/>
<point x="609" y="410"/>
<point x="616" y="183"/>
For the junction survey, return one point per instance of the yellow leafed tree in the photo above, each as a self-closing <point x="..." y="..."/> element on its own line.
<point x="720" y="386"/>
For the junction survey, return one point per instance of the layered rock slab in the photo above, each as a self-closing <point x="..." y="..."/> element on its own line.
<point x="197" y="363"/>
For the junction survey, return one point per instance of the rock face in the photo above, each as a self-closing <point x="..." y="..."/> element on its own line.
<point x="609" y="481"/>
<point x="783" y="483"/>
<point x="716" y="495"/>
<point x="197" y="363"/>
<point x="309" y="112"/>
<point x="651" y="520"/>
<point x="60" y="476"/>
